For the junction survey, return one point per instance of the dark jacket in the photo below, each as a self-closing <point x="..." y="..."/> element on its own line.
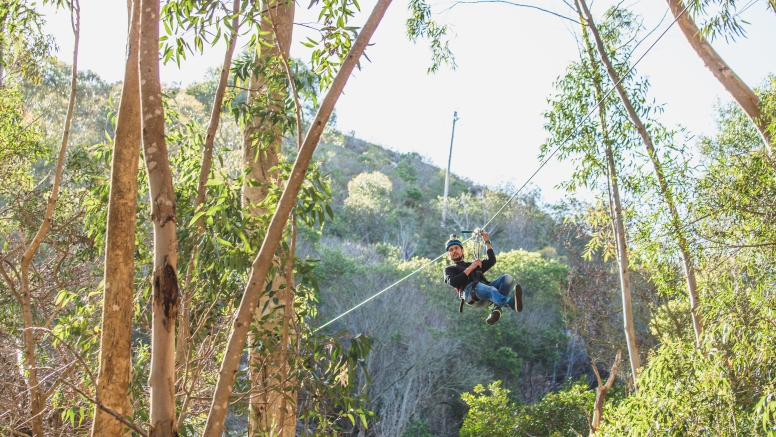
<point x="455" y="276"/>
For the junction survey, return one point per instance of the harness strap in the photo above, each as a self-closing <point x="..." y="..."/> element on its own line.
<point x="472" y="294"/>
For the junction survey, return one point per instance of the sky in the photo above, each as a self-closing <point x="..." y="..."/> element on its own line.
<point x="507" y="59"/>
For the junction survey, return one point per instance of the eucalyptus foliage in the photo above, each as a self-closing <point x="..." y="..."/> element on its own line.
<point x="559" y="414"/>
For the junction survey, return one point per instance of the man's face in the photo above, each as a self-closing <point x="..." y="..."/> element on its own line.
<point x="455" y="252"/>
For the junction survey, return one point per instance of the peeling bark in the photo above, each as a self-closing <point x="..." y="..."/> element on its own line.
<point x="116" y="334"/>
<point x="261" y="264"/>
<point x="166" y="298"/>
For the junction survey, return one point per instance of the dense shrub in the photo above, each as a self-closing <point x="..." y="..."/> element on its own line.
<point x="560" y="414"/>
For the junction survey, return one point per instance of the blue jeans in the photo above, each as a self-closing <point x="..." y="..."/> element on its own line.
<point x="497" y="292"/>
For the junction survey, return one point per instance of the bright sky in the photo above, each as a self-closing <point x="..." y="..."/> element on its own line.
<point x="508" y="58"/>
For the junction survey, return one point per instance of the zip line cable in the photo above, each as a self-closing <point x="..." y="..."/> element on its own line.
<point x="379" y="293"/>
<point x="565" y="139"/>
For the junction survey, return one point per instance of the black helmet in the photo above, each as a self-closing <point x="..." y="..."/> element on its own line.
<point x="453" y="241"/>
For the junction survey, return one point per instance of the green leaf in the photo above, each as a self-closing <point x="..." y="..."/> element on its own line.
<point x="224" y="242"/>
<point x="196" y="217"/>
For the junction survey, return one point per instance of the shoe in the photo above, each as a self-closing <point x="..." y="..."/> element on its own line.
<point x="493" y="317"/>
<point x="516" y="302"/>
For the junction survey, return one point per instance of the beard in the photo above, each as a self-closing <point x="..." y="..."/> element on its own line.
<point x="459" y="259"/>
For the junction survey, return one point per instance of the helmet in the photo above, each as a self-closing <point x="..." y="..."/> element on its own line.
<point x="453" y="241"/>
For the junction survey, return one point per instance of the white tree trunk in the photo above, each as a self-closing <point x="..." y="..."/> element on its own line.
<point x="622" y="252"/>
<point x="166" y="297"/>
<point x="618" y="225"/>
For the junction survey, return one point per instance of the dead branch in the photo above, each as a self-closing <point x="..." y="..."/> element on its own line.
<point x="601" y="390"/>
<point x="13" y="431"/>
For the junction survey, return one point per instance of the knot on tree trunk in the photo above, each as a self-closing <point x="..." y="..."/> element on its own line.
<point x="163" y="210"/>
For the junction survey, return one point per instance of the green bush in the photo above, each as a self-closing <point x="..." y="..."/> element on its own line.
<point x="417" y="428"/>
<point x="558" y="414"/>
<point x="490" y="413"/>
<point x="407" y="170"/>
<point x="561" y="414"/>
<point x="726" y="387"/>
<point x="412" y="195"/>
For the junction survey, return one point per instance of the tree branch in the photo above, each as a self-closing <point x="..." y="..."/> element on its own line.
<point x="118" y="416"/>
<point x="738" y="246"/>
<point x="76" y="355"/>
<point x="8" y="279"/>
<point x="13" y="431"/>
<point x="290" y="76"/>
<point x="59" y="380"/>
<point x="512" y="4"/>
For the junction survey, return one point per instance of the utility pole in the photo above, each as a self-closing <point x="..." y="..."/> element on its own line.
<point x="447" y="175"/>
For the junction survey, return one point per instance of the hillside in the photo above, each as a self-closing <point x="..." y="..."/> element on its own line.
<point x="425" y="353"/>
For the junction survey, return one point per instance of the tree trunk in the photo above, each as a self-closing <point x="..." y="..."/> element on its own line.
<point x="741" y="93"/>
<point x="261" y="145"/>
<point x="261" y="264"/>
<point x="600" y="392"/>
<point x="183" y="350"/>
<point x="37" y="402"/>
<point x="622" y="249"/>
<point x="165" y="277"/>
<point x="665" y="189"/>
<point x="37" y="395"/>
<point x="286" y="416"/>
<point x="258" y="159"/>
<point x="616" y="209"/>
<point x="116" y="334"/>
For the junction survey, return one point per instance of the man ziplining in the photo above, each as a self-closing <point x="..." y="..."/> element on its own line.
<point x="469" y="282"/>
